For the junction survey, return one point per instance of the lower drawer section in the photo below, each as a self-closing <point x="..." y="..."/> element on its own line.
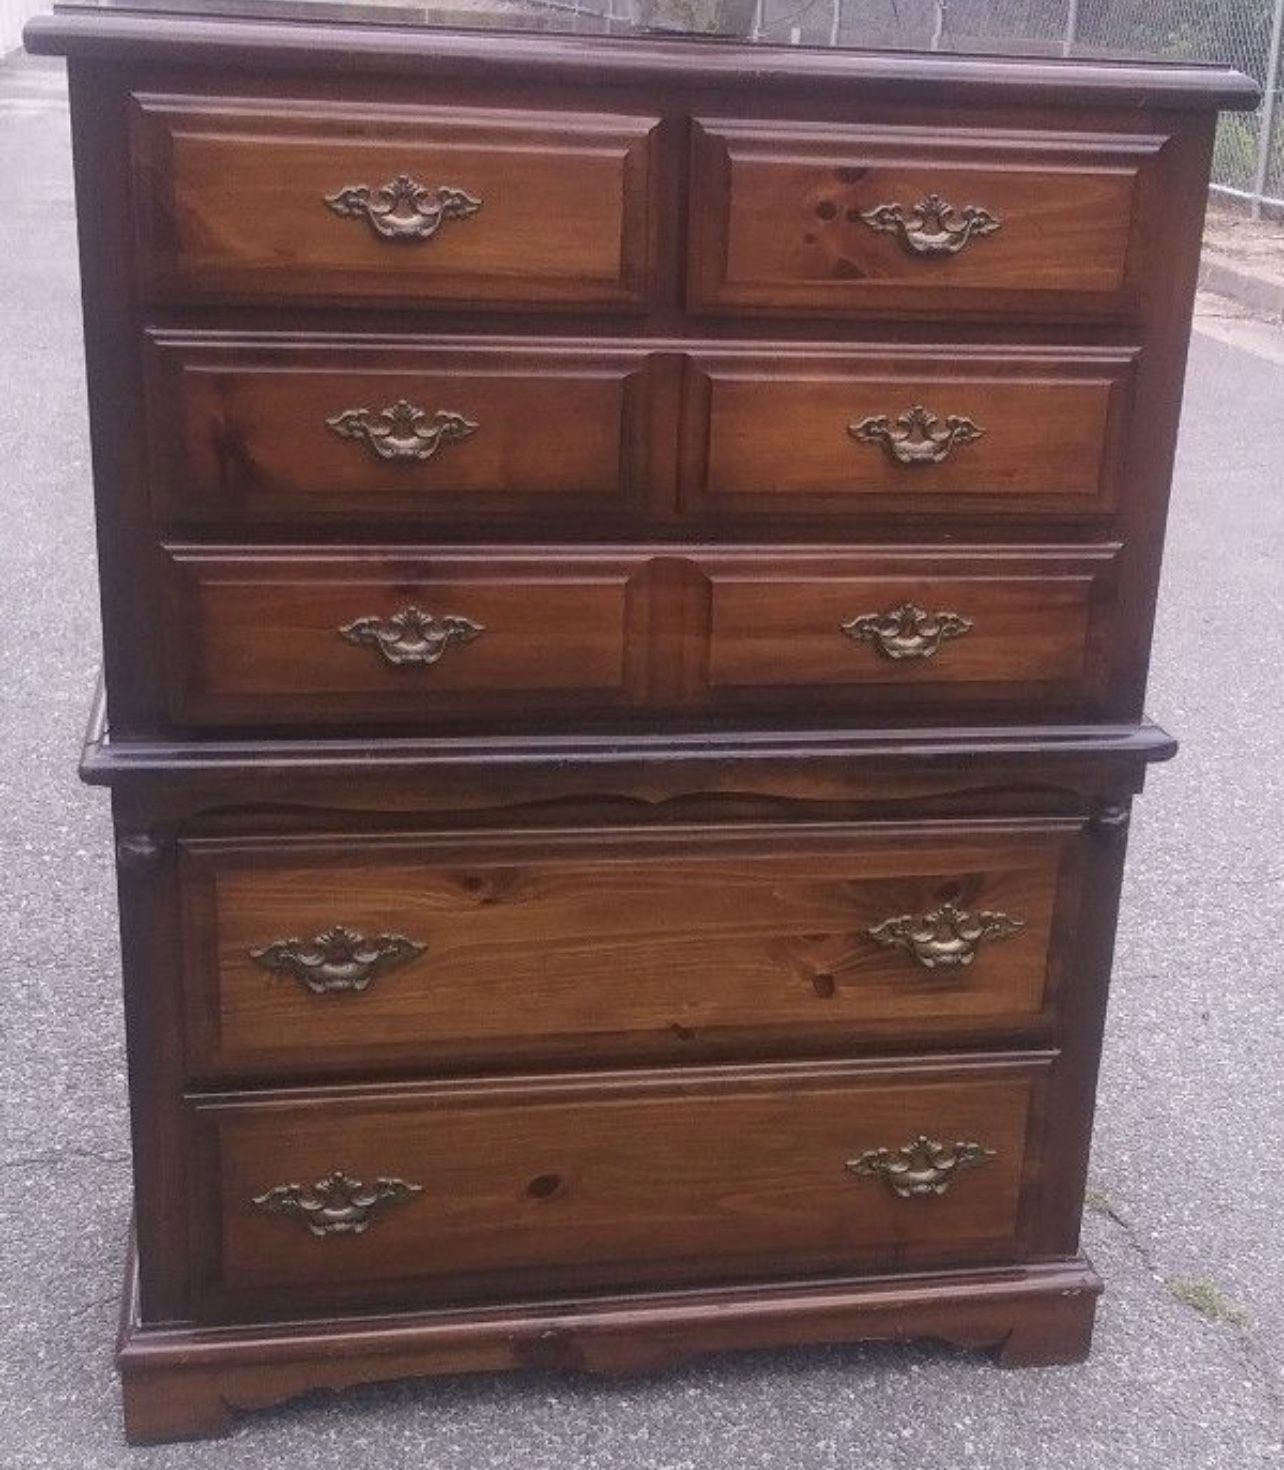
<point x="310" y="1201"/>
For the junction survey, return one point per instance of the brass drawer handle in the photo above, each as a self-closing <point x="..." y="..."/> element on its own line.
<point x="919" y="1169"/>
<point x="402" y="431"/>
<point x="411" y="636"/>
<point x="337" y="1204"/>
<point x="917" y="437"/>
<point x="337" y="961"/>
<point x="405" y="209"/>
<point x="946" y="938"/>
<point x="933" y="226"/>
<point x="906" y="631"/>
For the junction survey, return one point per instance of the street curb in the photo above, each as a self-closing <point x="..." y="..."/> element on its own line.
<point x="1227" y="278"/>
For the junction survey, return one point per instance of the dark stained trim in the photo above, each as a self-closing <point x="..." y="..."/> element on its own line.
<point x="465" y="56"/>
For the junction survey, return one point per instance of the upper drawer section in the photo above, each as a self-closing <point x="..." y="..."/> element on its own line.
<point x="811" y="218"/>
<point x="251" y="200"/>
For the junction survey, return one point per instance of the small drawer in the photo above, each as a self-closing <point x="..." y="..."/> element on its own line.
<point x="366" y="637"/>
<point x="822" y="219"/>
<point x="510" y="1189"/>
<point x="294" y="429"/>
<point x="346" y="953"/>
<point x="276" y="199"/>
<point x="920" y="631"/>
<point x="948" y="433"/>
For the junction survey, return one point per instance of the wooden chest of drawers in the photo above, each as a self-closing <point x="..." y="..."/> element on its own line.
<point x="628" y="571"/>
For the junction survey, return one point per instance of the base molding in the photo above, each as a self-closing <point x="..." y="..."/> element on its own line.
<point x="182" y="1382"/>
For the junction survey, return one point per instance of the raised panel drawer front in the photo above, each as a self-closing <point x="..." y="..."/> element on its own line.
<point x="947" y="432"/>
<point x="301" y="429"/>
<point x="469" y="1191"/>
<point x="365" y="637"/>
<point x="244" y="199"/>
<point x="820" y="218"/>
<point x="907" y="630"/>
<point x="368" y="637"/>
<point x="345" y="952"/>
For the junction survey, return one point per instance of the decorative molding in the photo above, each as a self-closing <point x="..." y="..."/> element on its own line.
<point x="403" y="210"/>
<point x="411" y="636"/>
<point x="402" y="431"/>
<point x="933" y="226"/>
<point x="917" y="437"/>
<point x="947" y="938"/>
<point x="907" y="631"/>
<point x="921" y="1168"/>
<point x="337" y="1204"/>
<point x="337" y="960"/>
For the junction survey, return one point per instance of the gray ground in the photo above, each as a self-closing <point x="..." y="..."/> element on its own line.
<point x="1187" y="1224"/>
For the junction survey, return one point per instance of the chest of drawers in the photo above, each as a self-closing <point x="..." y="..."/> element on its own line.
<point x="627" y="571"/>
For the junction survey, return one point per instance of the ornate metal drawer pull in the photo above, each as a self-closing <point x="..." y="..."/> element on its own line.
<point x="404" y="209"/>
<point x="946" y="938"/>
<point x="921" y="1168"/>
<point x="917" y="437"/>
<point x="402" y="431"/>
<point x="932" y="227"/>
<point x="337" y="960"/>
<point x="335" y="1205"/>
<point x="411" y="636"/>
<point x="906" y="631"/>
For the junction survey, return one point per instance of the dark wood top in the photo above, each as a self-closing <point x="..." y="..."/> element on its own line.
<point x="166" y="35"/>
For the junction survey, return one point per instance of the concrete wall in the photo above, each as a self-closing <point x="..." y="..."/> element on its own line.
<point x="12" y="15"/>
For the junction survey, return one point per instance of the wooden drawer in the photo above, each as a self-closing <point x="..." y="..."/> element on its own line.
<point x="248" y="199"/>
<point x="367" y="637"/>
<point x="819" y="218"/>
<point x="911" y="630"/>
<point x="352" y="952"/>
<point x="297" y="429"/>
<point x="1035" y="433"/>
<point x="512" y="1189"/>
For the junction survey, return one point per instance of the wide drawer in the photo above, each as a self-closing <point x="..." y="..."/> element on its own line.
<point x="405" y="636"/>
<point x="468" y="1191"/>
<point x="347" y="952"/>
<point x="298" y="429"/>
<point x="946" y="432"/>
<point x="822" y="218"/>
<point x="244" y="199"/>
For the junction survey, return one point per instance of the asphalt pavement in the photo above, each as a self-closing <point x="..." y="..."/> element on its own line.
<point x="1187" y="1219"/>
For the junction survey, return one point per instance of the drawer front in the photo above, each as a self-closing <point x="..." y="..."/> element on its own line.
<point x="248" y="200"/>
<point x="911" y="631"/>
<point x="515" y="1189"/>
<point x="948" y="433"/>
<point x="351" y="953"/>
<point x="368" y="637"/>
<point x="814" y="218"/>
<point x="381" y="637"/>
<point x="294" y="430"/>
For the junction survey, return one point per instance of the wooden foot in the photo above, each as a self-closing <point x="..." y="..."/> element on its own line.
<point x="1052" y="1330"/>
<point x="171" y="1405"/>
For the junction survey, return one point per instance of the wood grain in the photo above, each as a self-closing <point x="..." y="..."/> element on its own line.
<point x="239" y="431"/>
<point x="232" y="203"/>
<point x="616" y="944"/>
<point x="777" y="210"/>
<point x="635" y="1179"/>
